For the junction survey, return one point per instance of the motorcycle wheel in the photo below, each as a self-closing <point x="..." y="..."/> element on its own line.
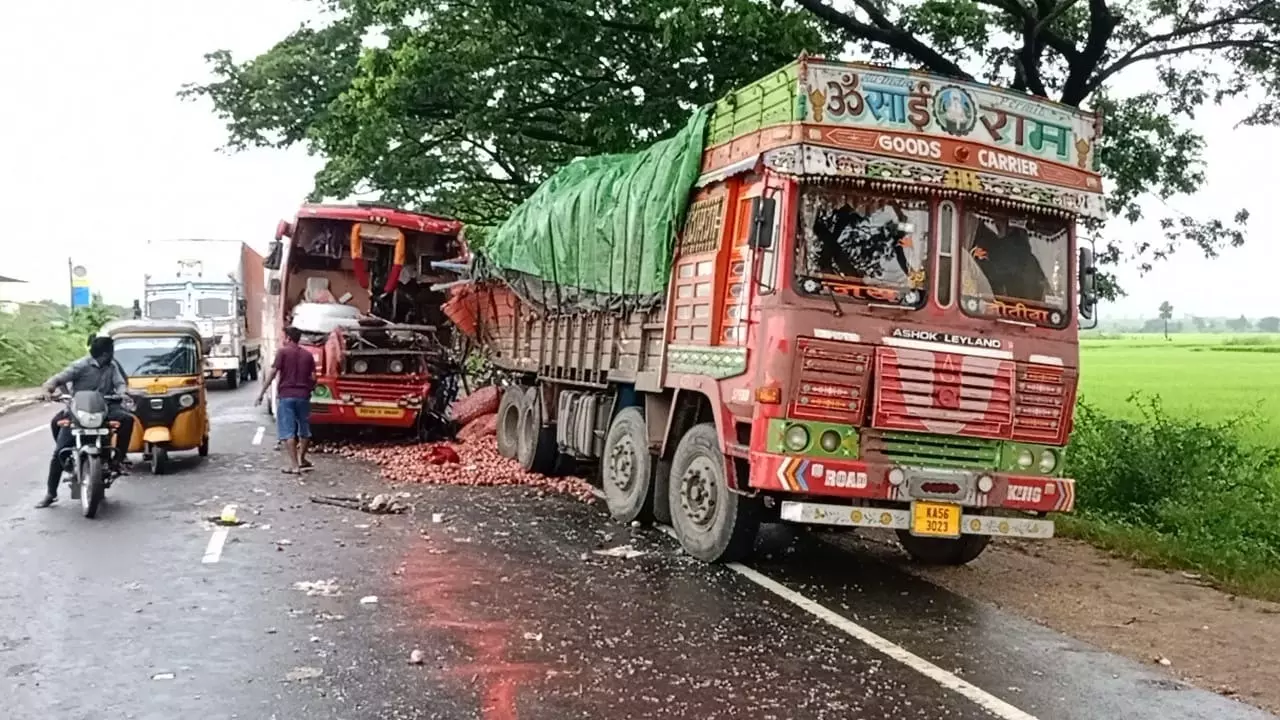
<point x="92" y="489"/>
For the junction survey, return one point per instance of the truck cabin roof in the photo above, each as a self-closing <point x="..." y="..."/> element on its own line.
<point x="379" y="214"/>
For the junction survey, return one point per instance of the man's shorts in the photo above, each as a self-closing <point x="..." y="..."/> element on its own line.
<point x="293" y="418"/>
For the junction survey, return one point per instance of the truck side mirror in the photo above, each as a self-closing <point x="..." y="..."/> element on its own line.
<point x="242" y="307"/>
<point x="1088" y="289"/>
<point x="762" y="213"/>
<point x="273" y="286"/>
<point x="272" y="261"/>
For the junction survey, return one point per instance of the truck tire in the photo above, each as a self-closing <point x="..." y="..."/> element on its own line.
<point x="233" y="379"/>
<point x="712" y="523"/>
<point x="536" y="448"/>
<point x="510" y="409"/>
<point x="943" y="551"/>
<point x="626" y="468"/>
<point x="662" y="491"/>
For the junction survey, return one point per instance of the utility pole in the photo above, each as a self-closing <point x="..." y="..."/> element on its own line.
<point x="71" y="285"/>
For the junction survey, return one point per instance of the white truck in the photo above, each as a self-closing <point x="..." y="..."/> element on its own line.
<point x="218" y="285"/>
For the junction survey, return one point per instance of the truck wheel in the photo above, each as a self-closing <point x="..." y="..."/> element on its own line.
<point x="536" y="448"/>
<point x="510" y="408"/>
<point x="233" y="379"/>
<point x="626" y="468"/>
<point x="943" y="551"/>
<point x="712" y="523"/>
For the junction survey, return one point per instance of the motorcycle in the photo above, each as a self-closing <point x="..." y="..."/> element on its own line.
<point x="90" y="465"/>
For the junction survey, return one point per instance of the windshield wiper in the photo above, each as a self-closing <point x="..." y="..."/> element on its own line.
<point x="839" y="311"/>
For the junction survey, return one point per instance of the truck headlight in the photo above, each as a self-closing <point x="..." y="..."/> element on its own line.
<point x="1048" y="461"/>
<point x="1025" y="459"/>
<point x="396" y="366"/>
<point x="360" y="366"/>
<point x="89" y="419"/>
<point x="830" y="441"/>
<point x="797" y="438"/>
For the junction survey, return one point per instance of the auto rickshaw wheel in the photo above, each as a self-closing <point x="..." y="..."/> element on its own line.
<point x="204" y="446"/>
<point x="159" y="460"/>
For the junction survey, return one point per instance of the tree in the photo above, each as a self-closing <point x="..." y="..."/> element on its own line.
<point x="469" y="104"/>
<point x="1240" y="324"/>
<point x="1166" y="314"/>
<point x="1269" y="324"/>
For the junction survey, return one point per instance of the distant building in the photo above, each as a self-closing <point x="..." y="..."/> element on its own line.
<point x="7" y="305"/>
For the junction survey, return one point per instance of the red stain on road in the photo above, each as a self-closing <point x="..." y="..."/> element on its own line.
<point x="452" y="591"/>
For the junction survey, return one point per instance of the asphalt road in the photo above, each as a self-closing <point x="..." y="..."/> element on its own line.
<point x="151" y="612"/>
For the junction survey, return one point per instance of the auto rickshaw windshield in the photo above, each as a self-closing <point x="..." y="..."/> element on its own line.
<point x="157" y="356"/>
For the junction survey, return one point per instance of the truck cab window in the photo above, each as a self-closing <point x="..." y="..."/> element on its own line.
<point x="213" y="307"/>
<point x="1015" y="267"/>
<point x="865" y="246"/>
<point x="164" y="309"/>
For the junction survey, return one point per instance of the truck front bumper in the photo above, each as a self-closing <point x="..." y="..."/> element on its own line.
<point x="916" y="519"/>
<point x="374" y="414"/>
<point x="221" y="364"/>
<point x="888" y="495"/>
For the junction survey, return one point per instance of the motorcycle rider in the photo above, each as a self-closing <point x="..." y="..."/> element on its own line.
<point x="96" y="371"/>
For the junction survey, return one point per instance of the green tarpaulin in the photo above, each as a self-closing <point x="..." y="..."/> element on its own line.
<point x="600" y="231"/>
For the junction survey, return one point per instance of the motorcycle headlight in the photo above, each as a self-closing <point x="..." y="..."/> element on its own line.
<point x="187" y="400"/>
<point x="89" y="420"/>
<point x="396" y="366"/>
<point x="360" y="366"/>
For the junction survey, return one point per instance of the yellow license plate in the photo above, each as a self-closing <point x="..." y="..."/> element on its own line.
<point x="935" y="519"/>
<point x="380" y="412"/>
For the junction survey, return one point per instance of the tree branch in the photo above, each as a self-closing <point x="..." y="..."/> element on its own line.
<point x="1020" y="11"/>
<point x="886" y="34"/>
<point x="1132" y="59"/>
<point x="1102" y="23"/>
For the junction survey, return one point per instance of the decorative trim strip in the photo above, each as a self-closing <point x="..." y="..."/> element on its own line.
<point x="713" y="361"/>
<point x="944" y="347"/>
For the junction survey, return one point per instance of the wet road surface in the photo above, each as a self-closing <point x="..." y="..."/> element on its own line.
<point x="138" y="615"/>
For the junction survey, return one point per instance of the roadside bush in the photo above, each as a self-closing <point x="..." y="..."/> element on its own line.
<point x="35" y="346"/>
<point x="1194" y="486"/>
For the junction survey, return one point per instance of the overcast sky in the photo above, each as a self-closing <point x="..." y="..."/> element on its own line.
<point x="98" y="155"/>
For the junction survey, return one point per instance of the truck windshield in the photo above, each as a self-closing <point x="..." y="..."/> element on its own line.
<point x="1015" y="266"/>
<point x="158" y="356"/>
<point x="864" y="246"/>
<point x="213" y="307"/>
<point x="164" y="309"/>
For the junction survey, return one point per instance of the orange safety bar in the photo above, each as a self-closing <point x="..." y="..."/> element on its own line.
<point x="362" y="268"/>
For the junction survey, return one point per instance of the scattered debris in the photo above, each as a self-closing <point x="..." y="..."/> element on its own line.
<point x="322" y="588"/>
<point x="417" y="657"/>
<point x="164" y="676"/>
<point x="437" y="517"/>
<point x="1162" y="660"/>
<point x="272" y="631"/>
<point x="381" y="504"/>
<point x="303" y="673"/>
<point x="622" y="551"/>
<point x="369" y="600"/>
<point x="535" y="637"/>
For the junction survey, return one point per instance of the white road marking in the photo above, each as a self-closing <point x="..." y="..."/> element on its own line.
<point x="257" y="436"/>
<point x="21" y="435"/>
<point x="980" y="697"/>
<point x="950" y="681"/>
<point x="213" y="552"/>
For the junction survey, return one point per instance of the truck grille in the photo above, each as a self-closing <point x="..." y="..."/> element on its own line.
<point x="831" y="381"/>
<point x="1044" y="401"/>
<point x="369" y="391"/>
<point x="920" y="450"/>
<point x="943" y="393"/>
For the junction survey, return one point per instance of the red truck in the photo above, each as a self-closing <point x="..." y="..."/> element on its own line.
<point x="847" y="295"/>
<point x="357" y="281"/>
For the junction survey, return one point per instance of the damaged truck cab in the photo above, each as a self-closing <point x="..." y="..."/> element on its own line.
<point x="869" y="319"/>
<point x="356" y="280"/>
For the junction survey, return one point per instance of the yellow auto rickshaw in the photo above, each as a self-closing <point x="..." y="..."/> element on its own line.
<point x="163" y="361"/>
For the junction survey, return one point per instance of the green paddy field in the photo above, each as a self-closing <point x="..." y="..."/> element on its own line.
<point x="1213" y="376"/>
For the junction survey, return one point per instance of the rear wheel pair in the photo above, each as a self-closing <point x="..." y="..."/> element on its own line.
<point x="712" y="523"/>
<point x="522" y="434"/>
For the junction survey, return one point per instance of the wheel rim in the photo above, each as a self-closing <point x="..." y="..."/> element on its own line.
<point x="700" y="492"/>
<point x="622" y="464"/>
<point x="511" y="421"/>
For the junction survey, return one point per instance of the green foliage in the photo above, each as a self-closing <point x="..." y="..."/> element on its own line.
<point x="1190" y="491"/>
<point x="470" y="105"/>
<point x="33" y="346"/>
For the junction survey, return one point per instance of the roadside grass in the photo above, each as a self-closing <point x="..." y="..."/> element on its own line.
<point x="1177" y="457"/>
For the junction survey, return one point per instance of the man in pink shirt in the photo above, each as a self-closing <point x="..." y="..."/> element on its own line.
<point x="296" y="370"/>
